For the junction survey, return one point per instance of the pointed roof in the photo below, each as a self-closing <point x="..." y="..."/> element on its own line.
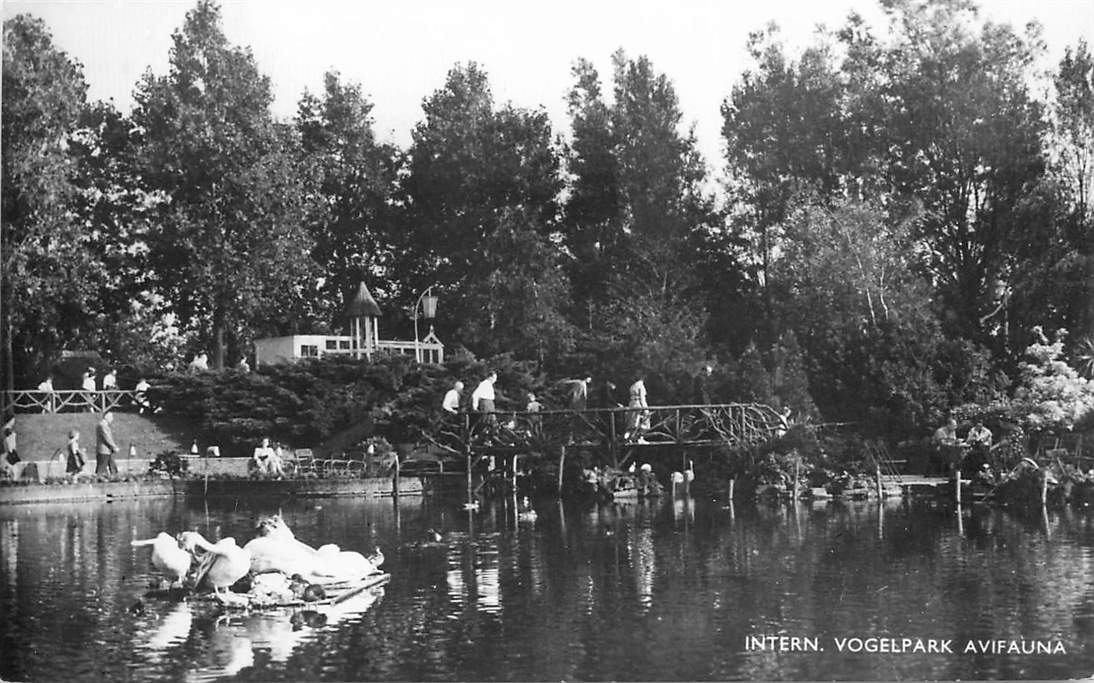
<point x="362" y="304"/>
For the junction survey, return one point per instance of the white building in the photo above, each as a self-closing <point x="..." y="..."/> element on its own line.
<point x="362" y="338"/>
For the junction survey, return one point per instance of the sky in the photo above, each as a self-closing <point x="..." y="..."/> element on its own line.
<point x="401" y="50"/>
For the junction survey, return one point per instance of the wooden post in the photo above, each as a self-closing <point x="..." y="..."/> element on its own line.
<point x="797" y="472"/>
<point x="561" y="467"/>
<point x="957" y="483"/>
<point x="468" y="477"/>
<point x="731" y="482"/>
<point x="395" y="477"/>
<point x="1044" y="488"/>
<point x="513" y="474"/>
<point x="880" y="489"/>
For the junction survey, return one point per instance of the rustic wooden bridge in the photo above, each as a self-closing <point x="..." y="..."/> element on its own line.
<point x="618" y="432"/>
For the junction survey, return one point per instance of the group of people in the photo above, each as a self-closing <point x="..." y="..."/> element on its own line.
<point x="105" y="449"/>
<point x="109" y="382"/>
<point x="485" y="395"/>
<point x="971" y="454"/>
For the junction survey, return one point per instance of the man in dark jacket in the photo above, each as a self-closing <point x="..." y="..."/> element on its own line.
<point x="105" y="448"/>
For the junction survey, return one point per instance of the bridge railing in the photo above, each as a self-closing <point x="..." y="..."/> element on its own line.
<point x="78" y="400"/>
<point x="734" y="424"/>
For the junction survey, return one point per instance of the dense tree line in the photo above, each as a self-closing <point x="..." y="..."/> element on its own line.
<point x="899" y="209"/>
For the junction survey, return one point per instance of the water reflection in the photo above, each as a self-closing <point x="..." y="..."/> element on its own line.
<point x="667" y="590"/>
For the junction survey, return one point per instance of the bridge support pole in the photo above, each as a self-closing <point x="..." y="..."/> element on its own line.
<point x="561" y="469"/>
<point x="469" y="491"/>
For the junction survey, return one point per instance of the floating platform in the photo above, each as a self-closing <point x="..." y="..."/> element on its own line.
<point x="335" y="593"/>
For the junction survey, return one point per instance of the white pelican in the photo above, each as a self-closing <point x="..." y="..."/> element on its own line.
<point x="224" y="564"/>
<point x="168" y="557"/>
<point x="277" y="549"/>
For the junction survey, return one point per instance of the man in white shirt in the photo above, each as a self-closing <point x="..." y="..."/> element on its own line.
<point x="451" y="403"/>
<point x="482" y="399"/>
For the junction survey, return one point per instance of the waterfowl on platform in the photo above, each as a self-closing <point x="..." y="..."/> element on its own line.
<point x="224" y="562"/>
<point x="314" y="592"/>
<point x="276" y="548"/>
<point x="167" y="556"/>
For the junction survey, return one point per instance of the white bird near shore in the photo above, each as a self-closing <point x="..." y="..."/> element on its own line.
<point x="276" y="548"/>
<point x="224" y="563"/>
<point x="167" y="556"/>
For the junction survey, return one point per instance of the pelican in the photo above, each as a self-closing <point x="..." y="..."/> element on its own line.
<point x="277" y="549"/>
<point x="168" y="557"/>
<point x="224" y="563"/>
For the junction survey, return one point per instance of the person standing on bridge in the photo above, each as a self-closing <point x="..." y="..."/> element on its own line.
<point x="88" y="385"/>
<point x="105" y="447"/>
<point x="482" y="401"/>
<point x="639" y="417"/>
<point x="451" y="403"/>
<point x="579" y="392"/>
<point x="703" y="383"/>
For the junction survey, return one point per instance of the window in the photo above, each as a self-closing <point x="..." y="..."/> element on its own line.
<point x="332" y="345"/>
<point x="309" y="351"/>
<point x="344" y="344"/>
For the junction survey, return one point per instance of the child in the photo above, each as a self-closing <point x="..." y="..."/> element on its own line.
<point x="76" y="456"/>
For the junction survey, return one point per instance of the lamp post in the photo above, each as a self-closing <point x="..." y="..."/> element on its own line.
<point x="428" y="303"/>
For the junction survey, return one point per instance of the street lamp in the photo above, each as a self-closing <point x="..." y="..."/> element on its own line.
<point x="428" y="303"/>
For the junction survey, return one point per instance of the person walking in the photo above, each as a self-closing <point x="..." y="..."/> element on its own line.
<point x="451" y="402"/>
<point x="11" y="446"/>
<point x="140" y="395"/>
<point x="703" y="383"/>
<point x="88" y="385"/>
<point x="105" y="447"/>
<point x="640" y="416"/>
<point x="482" y="400"/>
<point x="579" y="392"/>
<point x="76" y="459"/>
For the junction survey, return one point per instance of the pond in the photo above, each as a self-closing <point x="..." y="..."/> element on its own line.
<point x="672" y="590"/>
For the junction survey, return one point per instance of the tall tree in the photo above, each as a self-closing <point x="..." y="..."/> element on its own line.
<point x="480" y="182"/>
<point x="638" y="221"/>
<point x="49" y="272"/>
<point x="593" y="223"/>
<point x="1072" y="153"/>
<point x="352" y="237"/>
<point x="231" y="252"/>
<point x="783" y="126"/>
<point x="965" y="140"/>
